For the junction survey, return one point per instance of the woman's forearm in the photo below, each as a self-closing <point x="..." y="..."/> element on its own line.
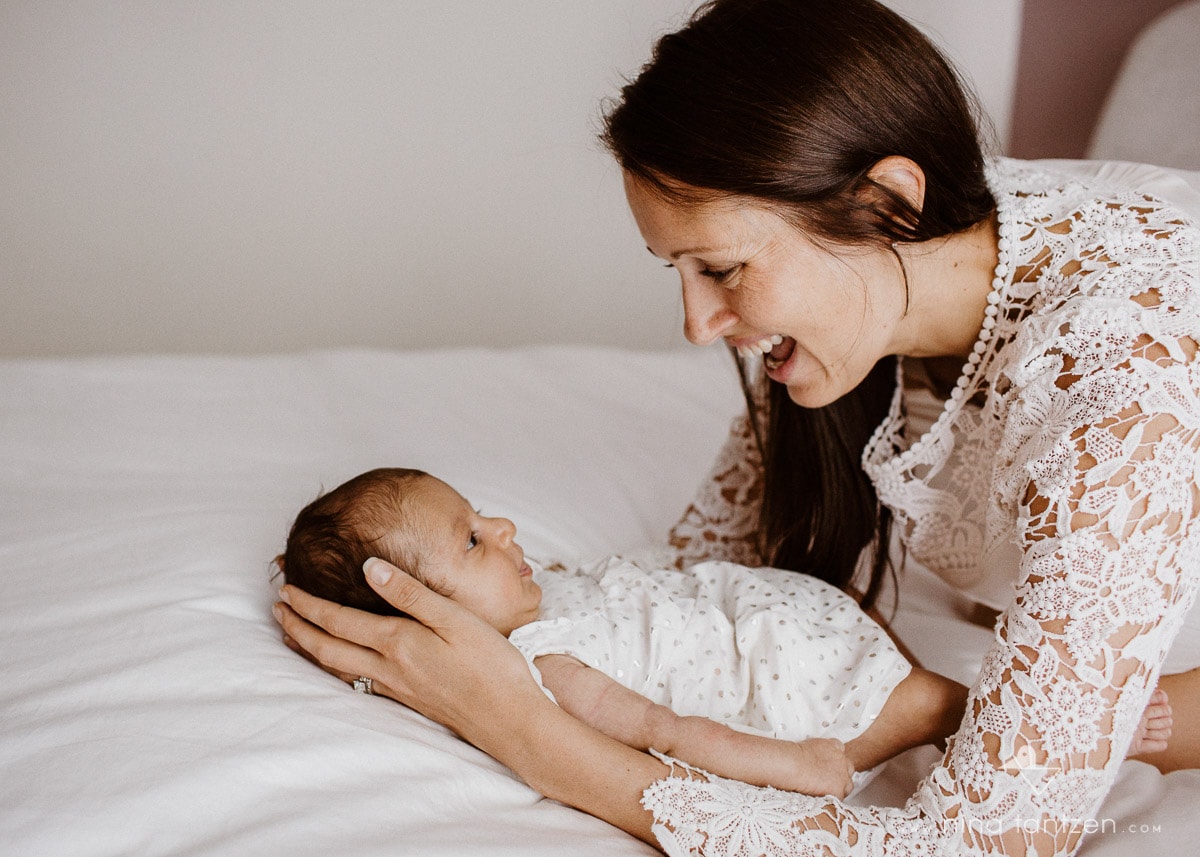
<point x="565" y="759"/>
<point x="817" y="766"/>
<point x="491" y="701"/>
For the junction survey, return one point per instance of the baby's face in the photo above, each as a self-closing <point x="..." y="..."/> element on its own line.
<point x="472" y="558"/>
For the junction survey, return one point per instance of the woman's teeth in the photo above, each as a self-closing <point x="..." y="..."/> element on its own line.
<point x="757" y="349"/>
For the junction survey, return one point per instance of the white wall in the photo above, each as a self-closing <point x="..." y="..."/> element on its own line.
<point x="268" y="175"/>
<point x="982" y="38"/>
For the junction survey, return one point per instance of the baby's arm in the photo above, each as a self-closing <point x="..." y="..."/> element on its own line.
<point x="924" y="708"/>
<point x="817" y="766"/>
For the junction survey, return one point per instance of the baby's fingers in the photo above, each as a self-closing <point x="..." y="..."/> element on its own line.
<point x="1158" y="716"/>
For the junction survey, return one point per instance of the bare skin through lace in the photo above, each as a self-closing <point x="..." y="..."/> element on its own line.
<point x="1080" y="466"/>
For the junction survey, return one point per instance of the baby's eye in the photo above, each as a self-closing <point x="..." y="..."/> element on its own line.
<point x="473" y="541"/>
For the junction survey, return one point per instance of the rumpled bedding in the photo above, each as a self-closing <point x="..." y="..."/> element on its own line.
<point x="148" y="705"/>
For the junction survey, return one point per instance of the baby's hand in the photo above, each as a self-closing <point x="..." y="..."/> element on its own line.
<point x="817" y="766"/>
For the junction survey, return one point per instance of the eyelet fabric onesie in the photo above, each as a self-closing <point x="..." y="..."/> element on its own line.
<point x="762" y="650"/>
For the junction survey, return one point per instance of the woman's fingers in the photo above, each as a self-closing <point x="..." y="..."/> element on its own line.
<point x="445" y="662"/>
<point x="333" y="654"/>
<point x="378" y="688"/>
<point x="399" y="589"/>
<point x="401" y="656"/>
<point x="347" y="623"/>
<point x="410" y="596"/>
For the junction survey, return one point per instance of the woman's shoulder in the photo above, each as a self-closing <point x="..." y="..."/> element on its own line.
<point x="1048" y="189"/>
<point x="1104" y="301"/>
<point x="1093" y="239"/>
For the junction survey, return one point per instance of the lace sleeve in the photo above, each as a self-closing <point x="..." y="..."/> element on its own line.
<point x="722" y="521"/>
<point x="1100" y="467"/>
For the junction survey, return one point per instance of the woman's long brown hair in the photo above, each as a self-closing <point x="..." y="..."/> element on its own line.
<point x="789" y="103"/>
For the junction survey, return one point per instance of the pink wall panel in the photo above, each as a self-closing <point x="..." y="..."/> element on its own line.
<point x="1071" y="51"/>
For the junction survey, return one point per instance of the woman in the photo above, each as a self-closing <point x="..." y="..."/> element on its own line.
<point x="812" y="171"/>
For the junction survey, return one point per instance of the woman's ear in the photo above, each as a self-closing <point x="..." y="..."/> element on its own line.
<point x="902" y="177"/>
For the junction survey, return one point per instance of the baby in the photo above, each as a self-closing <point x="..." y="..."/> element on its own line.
<point x="761" y="675"/>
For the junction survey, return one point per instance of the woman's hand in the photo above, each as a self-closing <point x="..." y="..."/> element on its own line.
<point x="445" y="663"/>
<point x="454" y="668"/>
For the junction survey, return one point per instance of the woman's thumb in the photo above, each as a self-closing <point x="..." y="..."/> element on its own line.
<point x="400" y="589"/>
<point x="379" y="572"/>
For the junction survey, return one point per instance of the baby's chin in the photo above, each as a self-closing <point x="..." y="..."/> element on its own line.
<point x="521" y="622"/>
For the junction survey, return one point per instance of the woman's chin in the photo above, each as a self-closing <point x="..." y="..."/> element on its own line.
<point x="808" y="385"/>
<point x="814" y="394"/>
<point x="810" y="396"/>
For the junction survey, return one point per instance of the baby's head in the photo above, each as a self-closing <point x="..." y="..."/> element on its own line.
<point x="419" y="524"/>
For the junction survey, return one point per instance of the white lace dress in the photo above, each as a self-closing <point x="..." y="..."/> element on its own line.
<point x="1058" y="483"/>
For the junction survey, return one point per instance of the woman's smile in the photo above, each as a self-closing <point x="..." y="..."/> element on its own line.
<point x="779" y="358"/>
<point x="820" y="319"/>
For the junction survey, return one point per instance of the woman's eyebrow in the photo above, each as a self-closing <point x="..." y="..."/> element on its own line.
<point x="690" y="251"/>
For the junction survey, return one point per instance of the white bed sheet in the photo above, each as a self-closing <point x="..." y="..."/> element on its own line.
<point x="148" y="706"/>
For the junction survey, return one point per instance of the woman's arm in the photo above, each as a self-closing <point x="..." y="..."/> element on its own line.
<point x="1107" y="515"/>
<point x="1101" y="470"/>
<point x="721" y="522"/>
<point x="490" y="701"/>
<point x="816" y="766"/>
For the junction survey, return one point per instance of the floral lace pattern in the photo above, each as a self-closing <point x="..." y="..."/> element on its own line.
<point x="1073" y="452"/>
<point x="720" y="524"/>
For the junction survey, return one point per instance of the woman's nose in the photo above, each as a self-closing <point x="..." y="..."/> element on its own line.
<point x="706" y="315"/>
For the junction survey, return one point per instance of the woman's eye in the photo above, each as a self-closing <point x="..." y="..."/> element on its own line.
<point x="720" y="275"/>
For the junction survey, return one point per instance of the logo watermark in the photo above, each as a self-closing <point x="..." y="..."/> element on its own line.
<point x="1038" y="775"/>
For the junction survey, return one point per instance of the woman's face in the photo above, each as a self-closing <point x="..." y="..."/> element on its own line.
<point x="754" y="280"/>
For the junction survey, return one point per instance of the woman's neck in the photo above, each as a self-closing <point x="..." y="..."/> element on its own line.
<point x="949" y="280"/>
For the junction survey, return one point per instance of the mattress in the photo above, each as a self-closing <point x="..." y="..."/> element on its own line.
<point x="147" y="702"/>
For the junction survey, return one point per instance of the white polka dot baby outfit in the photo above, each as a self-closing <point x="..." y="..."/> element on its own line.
<point x="762" y="650"/>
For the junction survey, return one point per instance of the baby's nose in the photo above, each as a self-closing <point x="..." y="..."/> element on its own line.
<point x="506" y="530"/>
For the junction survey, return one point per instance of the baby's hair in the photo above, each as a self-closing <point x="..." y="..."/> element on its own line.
<point x="337" y="532"/>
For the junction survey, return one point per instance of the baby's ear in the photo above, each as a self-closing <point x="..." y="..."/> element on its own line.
<point x="278" y="563"/>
